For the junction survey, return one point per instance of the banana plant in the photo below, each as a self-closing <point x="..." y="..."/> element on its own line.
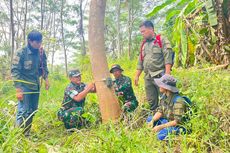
<point x="191" y="21"/>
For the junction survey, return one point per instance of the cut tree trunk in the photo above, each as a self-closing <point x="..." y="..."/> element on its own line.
<point x="109" y="106"/>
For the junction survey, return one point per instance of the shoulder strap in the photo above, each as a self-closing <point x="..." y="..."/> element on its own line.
<point x="186" y="99"/>
<point x="158" y="40"/>
<point x="176" y="98"/>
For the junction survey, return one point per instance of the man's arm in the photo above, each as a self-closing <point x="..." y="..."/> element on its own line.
<point x="162" y="126"/>
<point x="45" y="70"/>
<point x="84" y="93"/>
<point x="138" y="73"/>
<point x="16" y="74"/>
<point x="168" y="55"/>
<point x="168" y="68"/>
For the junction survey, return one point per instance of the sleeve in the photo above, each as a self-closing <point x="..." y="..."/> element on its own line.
<point x="46" y="72"/>
<point x="167" y="51"/>
<point x="179" y="110"/>
<point x="16" y="69"/>
<point x="71" y="92"/>
<point x="140" y="64"/>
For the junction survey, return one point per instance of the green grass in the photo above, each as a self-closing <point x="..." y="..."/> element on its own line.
<point x="210" y="128"/>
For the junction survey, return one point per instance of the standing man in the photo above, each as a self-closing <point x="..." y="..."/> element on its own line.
<point x="29" y="64"/>
<point x="156" y="58"/>
<point x="123" y="88"/>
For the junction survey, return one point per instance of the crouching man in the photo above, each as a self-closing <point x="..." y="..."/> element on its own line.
<point x="74" y="101"/>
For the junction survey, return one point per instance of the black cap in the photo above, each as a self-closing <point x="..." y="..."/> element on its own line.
<point x="115" y="66"/>
<point x="35" y="35"/>
<point x="74" y="73"/>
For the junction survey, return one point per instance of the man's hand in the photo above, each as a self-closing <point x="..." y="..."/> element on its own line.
<point x="136" y="80"/>
<point x="90" y="86"/>
<point x="156" y="128"/>
<point x="19" y="94"/>
<point x="47" y="84"/>
<point x="128" y="104"/>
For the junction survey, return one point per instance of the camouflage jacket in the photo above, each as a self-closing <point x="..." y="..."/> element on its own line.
<point x="27" y="66"/>
<point x="172" y="110"/>
<point x="154" y="57"/>
<point x="71" y="91"/>
<point x="123" y="89"/>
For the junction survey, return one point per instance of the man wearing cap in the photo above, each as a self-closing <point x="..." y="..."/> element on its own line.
<point x="29" y="64"/>
<point x="155" y="59"/>
<point x="171" y="111"/>
<point x="74" y="100"/>
<point x="123" y="88"/>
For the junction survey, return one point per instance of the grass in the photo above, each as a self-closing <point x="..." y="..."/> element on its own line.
<point x="210" y="90"/>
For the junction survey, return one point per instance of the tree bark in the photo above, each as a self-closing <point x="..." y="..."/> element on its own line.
<point x="63" y="37"/>
<point x="42" y="13"/>
<point x="12" y="30"/>
<point x="109" y="106"/>
<point x="25" y="21"/>
<point x="130" y="21"/>
<point x="118" y="29"/>
<point x="81" y="31"/>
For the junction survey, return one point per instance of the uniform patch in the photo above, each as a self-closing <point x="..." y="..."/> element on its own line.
<point x="16" y="60"/>
<point x="73" y="93"/>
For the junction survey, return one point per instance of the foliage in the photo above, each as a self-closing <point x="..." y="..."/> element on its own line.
<point x="194" y="27"/>
<point x="208" y="89"/>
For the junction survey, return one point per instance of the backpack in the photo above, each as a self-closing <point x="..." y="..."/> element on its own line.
<point x="190" y="107"/>
<point x="156" y="41"/>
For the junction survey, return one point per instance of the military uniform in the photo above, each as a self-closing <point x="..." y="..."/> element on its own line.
<point x="27" y="67"/>
<point x="153" y="64"/>
<point x="171" y="110"/>
<point x="72" y="110"/>
<point x="124" y="90"/>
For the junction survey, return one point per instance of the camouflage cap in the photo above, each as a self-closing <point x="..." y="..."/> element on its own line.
<point x="115" y="66"/>
<point x="168" y="82"/>
<point x="74" y="73"/>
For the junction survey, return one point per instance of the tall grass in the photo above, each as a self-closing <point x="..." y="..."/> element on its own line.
<point x="210" y="128"/>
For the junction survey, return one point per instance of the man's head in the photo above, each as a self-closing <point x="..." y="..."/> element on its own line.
<point x="75" y="76"/>
<point x="116" y="70"/>
<point x="147" y="29"/>
<point x="35" y="39"/>
<point x="167" y="83"/>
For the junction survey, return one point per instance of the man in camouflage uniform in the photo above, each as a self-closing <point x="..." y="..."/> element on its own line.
<point x="29" y="63"/>
<point x="155" y="60"/>
<point x="123" y="89"/>
<point x="171" y="111"/>
<point x="74" y="101"/>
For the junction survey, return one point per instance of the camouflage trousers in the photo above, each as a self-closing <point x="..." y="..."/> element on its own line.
<point x="71" y="117"/>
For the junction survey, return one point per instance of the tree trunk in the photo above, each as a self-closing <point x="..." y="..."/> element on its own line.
<point x="42" y="14"/>
<point x="63" y="38"/>
<point x="109" y="106"/>
<point x="25" y="21"/>
<point x="54" y="35"/>
<point x="81" y="31"/>
<point x="221" y="55"/>
<point x="118" y="29"/>
<point x="12" y="30"/>
<point x="130" y="21"/>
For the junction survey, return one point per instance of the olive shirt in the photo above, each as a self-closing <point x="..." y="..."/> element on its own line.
<point x="27" y="66"/>
<point x="172" y="110"/>
<point x="154" y="57"/>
